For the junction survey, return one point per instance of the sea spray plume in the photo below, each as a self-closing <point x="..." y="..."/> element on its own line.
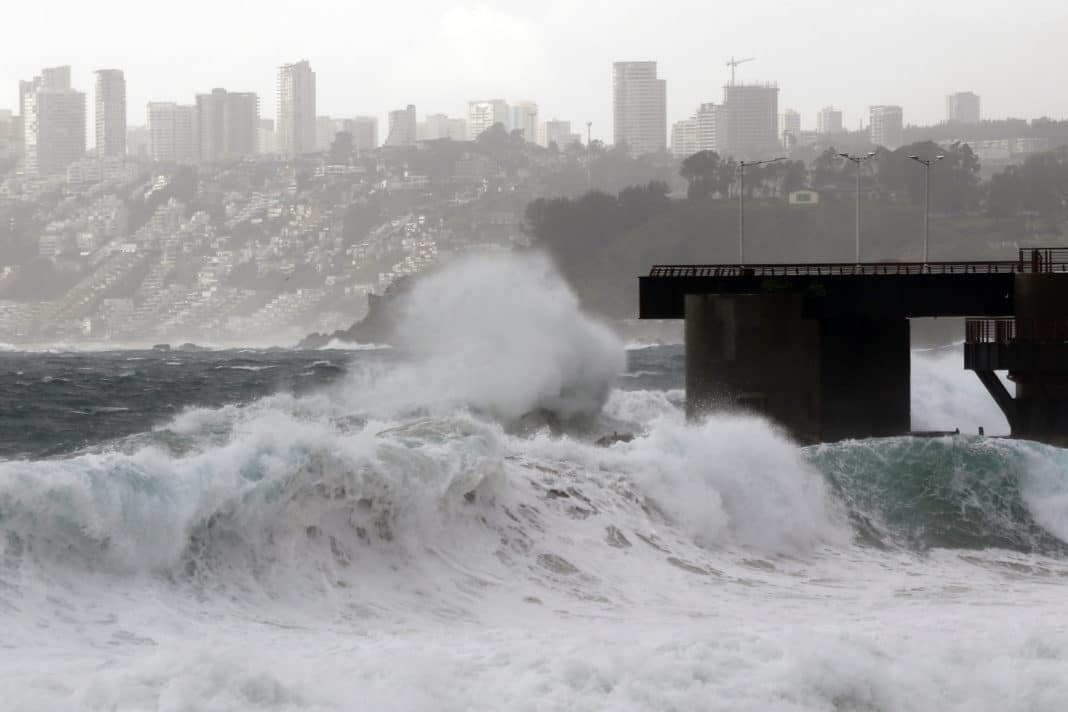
<point x="505" y="335"/>
<point x="945" y="396"/>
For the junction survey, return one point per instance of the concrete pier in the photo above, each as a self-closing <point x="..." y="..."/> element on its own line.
<point x="823" y="349"/>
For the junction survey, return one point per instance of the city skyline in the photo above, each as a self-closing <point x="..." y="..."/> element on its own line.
<point x="567" y="72"/>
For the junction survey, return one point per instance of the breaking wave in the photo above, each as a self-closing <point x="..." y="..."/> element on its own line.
<point x="412" y="539"/>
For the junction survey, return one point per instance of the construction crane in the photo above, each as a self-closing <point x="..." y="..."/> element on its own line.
<point x="735" y="62"/>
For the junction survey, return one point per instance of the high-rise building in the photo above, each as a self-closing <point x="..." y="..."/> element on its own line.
<point x="684" y="138"/>
<point x="789" y="128"/>
<point x="886" y="126"/>
<point x="267" y="139"/>
<point x="555" y="131"/>
<point x="53" y="122"/>
<point x="829" y="121"/>
<point x="296" y="109"/>
<point x="172" y="132"/>
<point x="241" y="124"/>
<point x="110" y="112"/>
<point x="364" y="130"/>
<point x="55" y="77"/>
<point x="211" y="133"/>
<point x="525" y="119"/>
<point x="7" y="133"/>
<point x="752" y="120"/>
<point x="700" y="132"/>
<point x="483" y="114"/>
<point x="138" y="143"/>
<point x="402" y="127"/>
<point x="710" y="130"/>
<point x="639" y="107"/>
<point x="963" y="107"/>
<point x="458" y="129"/>
<point x="227" y="125"/>
<point x="325" y="131"/>
<point x="436" y="127"/>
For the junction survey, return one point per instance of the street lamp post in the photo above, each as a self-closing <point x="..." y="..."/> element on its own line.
<point x="858" y="160"/>
<point x="589" y="156"/>
<point x="927" y="163"/>
<point x="742" y="165"/>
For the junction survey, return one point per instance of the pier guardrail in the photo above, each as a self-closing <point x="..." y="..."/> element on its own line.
<point x="1031" y="260"/>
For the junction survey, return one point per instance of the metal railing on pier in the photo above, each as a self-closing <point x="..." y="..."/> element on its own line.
<point x="1032" y="260"/>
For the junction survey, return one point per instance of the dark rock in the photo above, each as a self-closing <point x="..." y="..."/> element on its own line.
<point x="376" y="327"/>
<point x="606" y="440"/>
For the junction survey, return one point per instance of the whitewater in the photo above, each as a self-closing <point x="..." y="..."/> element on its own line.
<point x="439" y="529"/>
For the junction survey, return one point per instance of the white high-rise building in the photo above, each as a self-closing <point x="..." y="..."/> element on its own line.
<point x="752" y="120"/>
<point x="403" y="127"/>
<point x="172" y="132"/>
<point x="525" y="119"/>
<point x="684" y="138"/>
<point x="228" y="125"/>
<point x="886" y="126"/>
<point x="7" y="133"/>
<point x="296" y="124"/>
<point x="325" y="131"/>
<point x="963" y="107"/>
<point x="555" y="131"/>
<point x="53" y="122"/>
<point x="436" y="127"/>
<point x="266" y="138"/>
<point x="138" y="143"/>
<point x="710" y="131"/>
<point x="789" y="127"/>
<point x="483" y="114"/>
<point x="110" y="112"/>
<point x="639" y="107"/>
<point x="829" y="121"/>
<point x="700" y="132"/>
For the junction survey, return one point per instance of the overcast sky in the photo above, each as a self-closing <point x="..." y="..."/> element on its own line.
<point x="437" y="55"/>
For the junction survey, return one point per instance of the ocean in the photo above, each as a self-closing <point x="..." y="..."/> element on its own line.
<point x="445" y="526"/>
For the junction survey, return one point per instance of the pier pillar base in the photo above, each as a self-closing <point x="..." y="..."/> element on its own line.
<point x="821" y="380"/>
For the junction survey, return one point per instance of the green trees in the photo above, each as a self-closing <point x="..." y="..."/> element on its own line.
<point x="702" y="172"/>
<point x="1038" y="186"/>
<point x="708" y="175"/>
<point x="574" y="230"/>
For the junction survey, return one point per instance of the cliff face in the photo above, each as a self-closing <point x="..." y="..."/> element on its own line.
<point x="376" y="327"/>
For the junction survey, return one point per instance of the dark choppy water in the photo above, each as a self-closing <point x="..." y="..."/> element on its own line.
<point x="56" y="403"/>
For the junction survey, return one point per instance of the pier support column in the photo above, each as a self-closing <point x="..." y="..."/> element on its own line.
<point x="866" y="378"/>
<point x="1041" y="302"/>
<point x="756" y="353"/>
<point x="822" y="380"/>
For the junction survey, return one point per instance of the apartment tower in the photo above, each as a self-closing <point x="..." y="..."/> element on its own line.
<point x="639" y="108"/>
<point x="296" y="109"/>
<point x="110" y="112"/>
